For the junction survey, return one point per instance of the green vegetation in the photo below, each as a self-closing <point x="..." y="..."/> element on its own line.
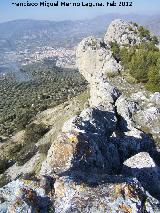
<point x="21" y="153"/>
<point x="34" y="132"/>
<point x="153" y="83"/>
<point x="115" y="50"/>
<point x="4" y="180"/>
<point x="43" y="148"/>
<point x="129" y="78"/>
<point x="135" y="24"/>
<point x="47" y="87"/>
<point x="141" y="62"/>
<point x="3" y="165"/>
<point x="26" y="146"/>
<point x="130" y="28"/>
<point x="144" y="33"/>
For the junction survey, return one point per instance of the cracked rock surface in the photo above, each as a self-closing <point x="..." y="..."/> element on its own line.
<point x="101" y="161"/>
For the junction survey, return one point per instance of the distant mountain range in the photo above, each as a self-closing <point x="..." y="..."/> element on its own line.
<point x="30" y="34"/>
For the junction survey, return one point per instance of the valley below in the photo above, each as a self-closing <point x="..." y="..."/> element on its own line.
<point x="80" y="116"/>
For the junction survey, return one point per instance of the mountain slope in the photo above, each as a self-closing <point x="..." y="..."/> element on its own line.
<point x="100" y="159"/>
<point x="30" y="33"/>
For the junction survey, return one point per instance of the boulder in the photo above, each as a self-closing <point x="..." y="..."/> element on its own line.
<point x="83" y="144"/>
<point x="125" y="110"/>
<point x="139" y="96"/>
<point x="149" y="120"/>
<point x="103" y="94"/>
<point x="145" y="170"/>
<point x="131" y="142"/>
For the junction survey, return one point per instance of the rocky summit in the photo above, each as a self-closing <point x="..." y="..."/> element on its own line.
<point x="123" y="33"/>
<point x="102" y="160"/>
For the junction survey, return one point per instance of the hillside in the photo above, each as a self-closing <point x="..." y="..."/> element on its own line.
<point x="98" y="152"/>
<point x="33" y="89"/>
<point x="30" y="33"/>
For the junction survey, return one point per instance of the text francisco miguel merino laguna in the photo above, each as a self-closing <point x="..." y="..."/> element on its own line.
<point x="77" y="4"/>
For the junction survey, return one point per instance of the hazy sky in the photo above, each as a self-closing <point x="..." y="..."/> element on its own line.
<point x="10" y="12"/>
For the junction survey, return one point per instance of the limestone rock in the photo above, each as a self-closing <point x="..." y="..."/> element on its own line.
<point x="139" y="96"/>
<point x="155" y="98"/>
<point x="125" y="196"/>
<point x="149" y="119"/>
<point x="24" y="196"/>
<point x="123" y="33"/>
<point x="145" y="170"/>
<point x="103" y="94"/>
<point x="71" y="152"/>
<point x="125" y="110"/>
<point x="131" y="142"/>
<point x="94" y="59"/>
<point x="15" y="171"/>
<point x="83" y="144"/>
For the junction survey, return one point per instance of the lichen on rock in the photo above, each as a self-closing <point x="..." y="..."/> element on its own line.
<point x="101" y="161"/>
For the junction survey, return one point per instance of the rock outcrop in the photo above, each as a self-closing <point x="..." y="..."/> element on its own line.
<point x="128" y="196"/>
<point x="96" y="147"/>
<point x="123" y="33"/>
<point x="145" y="170"/>
<point x="83" y="144"/>
<point x="95" y="143"/>
<point x="94" y="59"/>
<point x="150" y="119"/>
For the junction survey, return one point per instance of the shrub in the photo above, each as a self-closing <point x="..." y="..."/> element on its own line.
<point x="126" y="56"/>
<point x="130" y="28"/>
<point x="23" y="119"/>
<point x="3" y="165"/>
<point x="26" y="151"/>
<point x="21" y="153"/>
<point x="155" y="40"/>
<point x="25" y="154"/>
<point x="129" y="78"/>
<point x="34" y="132"/>
<point x="112" y="74"/>
<point x="4" y="179"/>
<point x="43" y="148"/>
<point x="144" y="33"/>
<point x="13" y="151"/>
<point x="135" y="24"/>
<point x="143" y="63"/>
<point x="115" y="50"/>
<point x="138" y="66"/>
<point x="154" y="79"/>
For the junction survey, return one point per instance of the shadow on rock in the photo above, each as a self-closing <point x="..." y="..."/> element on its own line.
<point x="148" y="177"/>
<point x="99" y="160"/>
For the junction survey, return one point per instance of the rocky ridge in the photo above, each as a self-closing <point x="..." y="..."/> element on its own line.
<point x="123" y="33"/>
<point x="99" y="160"/>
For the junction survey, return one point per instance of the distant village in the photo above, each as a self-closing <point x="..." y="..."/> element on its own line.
<point x="63" y="57"/>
